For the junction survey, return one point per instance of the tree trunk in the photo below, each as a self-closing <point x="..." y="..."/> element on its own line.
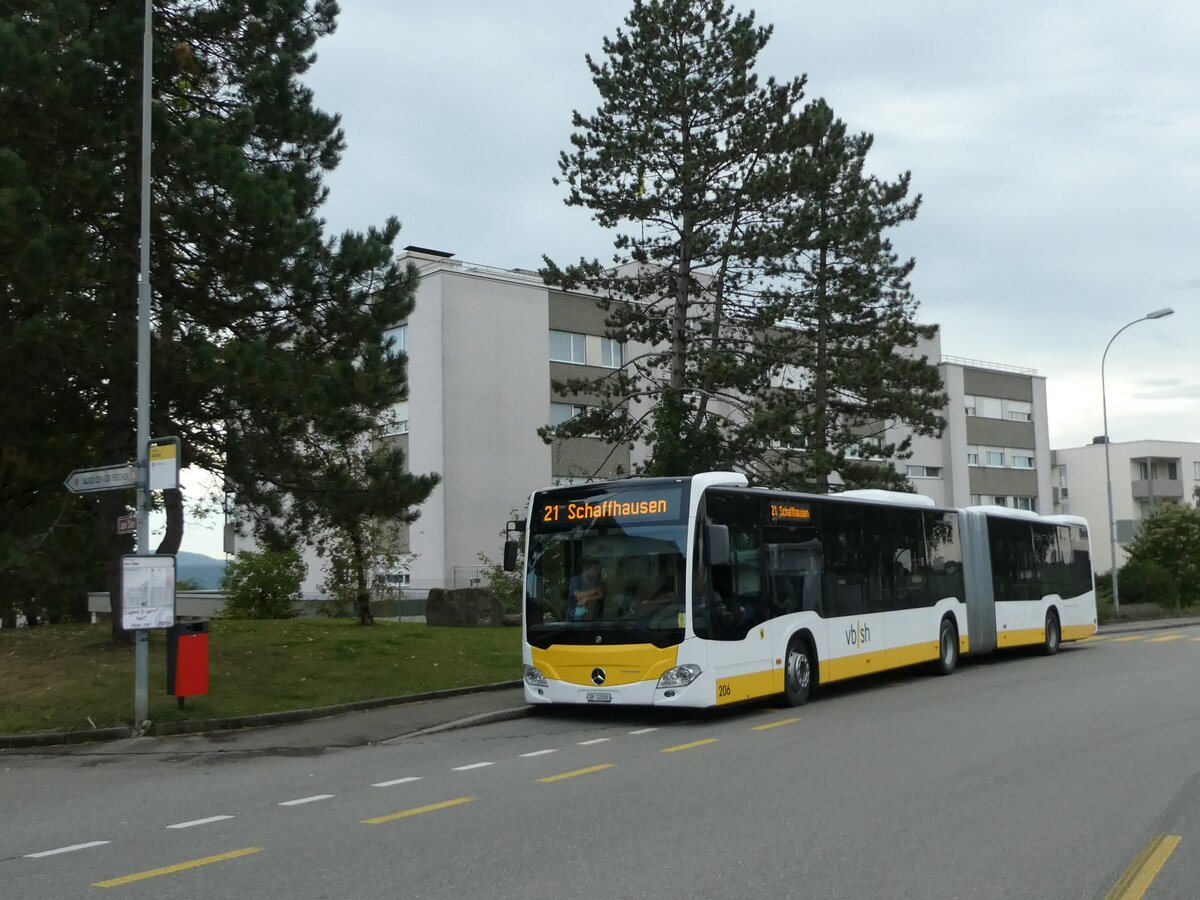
<point x="112" y="505"/>
<point x="362" y="593"/>
<point x="173" y="502"/>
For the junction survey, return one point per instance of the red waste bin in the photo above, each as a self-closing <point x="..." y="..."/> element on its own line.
<point x="187" y="659"/>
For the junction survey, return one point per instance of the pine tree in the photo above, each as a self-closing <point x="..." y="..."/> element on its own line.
<point x="851" y="318"/>
<point x="682" y="160"/>
<point x="267" y="333"/>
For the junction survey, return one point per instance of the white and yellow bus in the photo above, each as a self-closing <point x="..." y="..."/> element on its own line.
<point x="702" y="591"/>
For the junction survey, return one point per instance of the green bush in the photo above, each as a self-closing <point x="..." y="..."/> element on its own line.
<point x="1170" y="537"/>
<point x="264" y="585"/>
<point x="1146" y="581"/>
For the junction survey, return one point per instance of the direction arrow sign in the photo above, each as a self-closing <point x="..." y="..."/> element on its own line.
<point x="106" y="478"/>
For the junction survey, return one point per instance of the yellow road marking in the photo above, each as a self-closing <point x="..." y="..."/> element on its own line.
<point x="679" y="747"/>
<point x="178" y="867"/>
<point x="1136" y="880"/>
<point x="1166" y="637"/>
<point x="577" y="772"/>
<point x="1096" y="637"/>
<point x="1194" y="639"/>
<point x="1132" y="637"/>
<point x="775" y="724"/>
<point x="404" y="814"/>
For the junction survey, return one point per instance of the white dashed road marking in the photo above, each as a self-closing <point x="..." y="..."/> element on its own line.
<point x="539" y="753"/>
<point x="200" y="821"/>
<point x="593" y="741"/>
<point x="397" y="781"/>
<point x="312" y="799"/>
<point x="65" y="849"/>
<point x="478" y="765"/>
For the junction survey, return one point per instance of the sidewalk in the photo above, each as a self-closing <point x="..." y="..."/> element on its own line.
<point x="347" y="729"/>
<point x="1148" y="625"/>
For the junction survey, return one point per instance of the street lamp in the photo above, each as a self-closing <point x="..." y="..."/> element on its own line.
<point x="1112" y="523"/>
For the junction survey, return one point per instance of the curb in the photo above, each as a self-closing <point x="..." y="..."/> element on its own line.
<point x="259" y="720"/>
<point x="498" y="715"/>
<point x="1146" y="625"/>
<point x="54" y="738"/>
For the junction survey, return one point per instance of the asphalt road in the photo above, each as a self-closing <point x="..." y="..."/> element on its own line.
<point x="1019" y="776"/>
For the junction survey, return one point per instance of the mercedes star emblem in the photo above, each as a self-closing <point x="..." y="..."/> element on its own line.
<point x="598" y="676"/>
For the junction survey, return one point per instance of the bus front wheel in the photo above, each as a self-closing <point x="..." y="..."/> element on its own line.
<point x="947" y="648"/>
<point x="1053" y="634"/>
<point x="798" y="673"/>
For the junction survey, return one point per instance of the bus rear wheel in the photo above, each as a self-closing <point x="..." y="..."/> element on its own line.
<point x="1053" y="634"/>
<point x="947" y="648"/>
<point x="798" y="673"/>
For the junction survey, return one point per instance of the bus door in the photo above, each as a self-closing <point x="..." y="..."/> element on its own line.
<point x="852" y="593"/>
<point x="731" y="605"/>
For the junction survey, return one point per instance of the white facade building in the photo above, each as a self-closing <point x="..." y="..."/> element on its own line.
<point x="1144" y="474"/>
<point x="484" y="346"/>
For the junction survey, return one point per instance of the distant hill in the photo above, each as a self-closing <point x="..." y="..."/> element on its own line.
<point x="204" y="571"/>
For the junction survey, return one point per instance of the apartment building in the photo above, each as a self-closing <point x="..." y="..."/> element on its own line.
<point x="484" y="346"/>
<point x="1144" y="474"/>
<point x="995" y="449"/>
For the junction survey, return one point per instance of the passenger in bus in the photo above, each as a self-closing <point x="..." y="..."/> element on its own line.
<point x="587" y="592"/>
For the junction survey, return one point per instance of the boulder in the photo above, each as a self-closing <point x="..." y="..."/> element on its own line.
<point x="464" y="608"/>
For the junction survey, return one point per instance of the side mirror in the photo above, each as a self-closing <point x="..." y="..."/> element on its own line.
<point x="510" y="556"/>
<point x="716" y="545"/>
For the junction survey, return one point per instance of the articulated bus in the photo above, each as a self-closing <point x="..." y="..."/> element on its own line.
<point x="702" y="591"/>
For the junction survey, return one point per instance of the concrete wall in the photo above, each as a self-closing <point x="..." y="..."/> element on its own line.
<point x="495" y="395"/>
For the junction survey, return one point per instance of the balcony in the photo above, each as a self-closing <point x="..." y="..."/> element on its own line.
<point x="1160" y="488"/>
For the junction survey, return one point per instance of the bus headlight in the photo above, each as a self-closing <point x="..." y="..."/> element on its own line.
<point x="680" y="676"/>
<point x="534" y="677"/>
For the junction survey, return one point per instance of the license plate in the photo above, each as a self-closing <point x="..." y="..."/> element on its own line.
<point x="599" y="696"/>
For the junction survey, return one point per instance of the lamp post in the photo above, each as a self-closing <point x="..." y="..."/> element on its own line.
<point x="1112" y="523"/>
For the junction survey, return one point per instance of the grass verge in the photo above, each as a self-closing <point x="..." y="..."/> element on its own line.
<point x="72" y="677"/>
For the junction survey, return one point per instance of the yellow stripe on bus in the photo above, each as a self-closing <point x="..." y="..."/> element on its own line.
<point x="1020" y="637"/>
<point x="1077" y="632"/>
<point x="622" y="663"/>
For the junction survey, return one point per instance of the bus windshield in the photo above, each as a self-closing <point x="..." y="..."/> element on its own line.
<point x="607" y="583"/>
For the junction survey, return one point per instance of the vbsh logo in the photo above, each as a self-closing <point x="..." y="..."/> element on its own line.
<point x="858" y="635"/>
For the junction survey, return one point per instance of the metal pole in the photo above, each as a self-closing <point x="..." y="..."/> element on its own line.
<point x="141" y="664"/>
<point x="1112" y="522"/>
<point x="1112" y="525"/>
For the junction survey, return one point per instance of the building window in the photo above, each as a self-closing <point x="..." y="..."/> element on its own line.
<point x="973" y="458"/>
<point x="611" y="355"/>
<point x="395" y="340"/>
<point x="1022" y="462"/>
<point x="924" y="471"/>
<point x="1062" y="477"/>
<point x="568" y="347"/>
<point x="1018" y="410"/>
<point x="565" y="412"/>
<point x="999" y="501"/>
<point x="995" y="459"/>
<point x="970" y="402"/>
<point x="1172" y="472"/>
<point x="1196" y="470"/>
<point x="976" y="500"/>
<point x="1025" y="503"/>
<point x="1143" y="471"/>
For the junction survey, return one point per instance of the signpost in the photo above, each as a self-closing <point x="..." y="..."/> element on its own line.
<point x="147" y="581"/>
<point x="164" y="464"/>
<point x="105" y="478"/>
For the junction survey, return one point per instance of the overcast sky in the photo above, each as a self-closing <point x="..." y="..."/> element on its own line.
<point x="1056" y="146"/>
